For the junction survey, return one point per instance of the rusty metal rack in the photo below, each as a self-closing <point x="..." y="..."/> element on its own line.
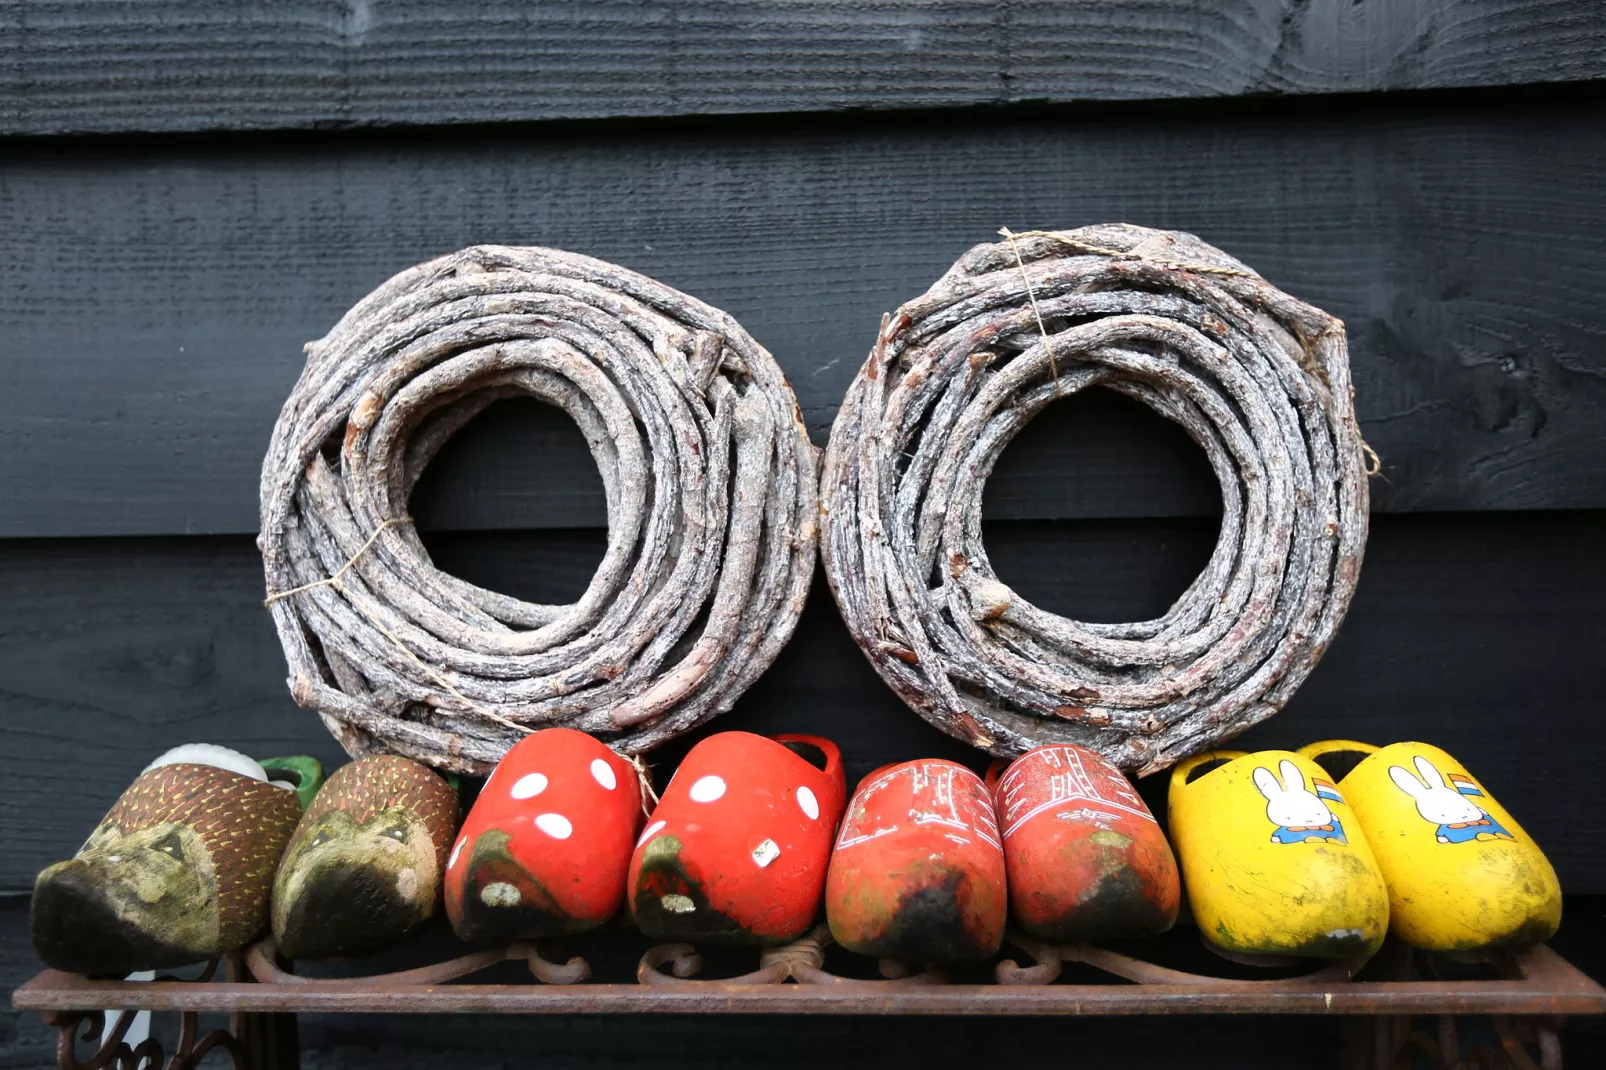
<point x="1525" y="994"/>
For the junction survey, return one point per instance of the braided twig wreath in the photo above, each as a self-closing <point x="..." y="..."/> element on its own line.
<point x="1260" y="380"/>
<point x="710" y="483"/>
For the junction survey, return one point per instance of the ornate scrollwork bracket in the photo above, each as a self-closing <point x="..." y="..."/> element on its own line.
<point x="802" y="961"/>
<point x="112" y="1050"/>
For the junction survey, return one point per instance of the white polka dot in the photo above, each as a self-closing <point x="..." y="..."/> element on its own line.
<point x="707" y="789"/>
<point x="603" y="772"/>
<point x="765" y="853"/>
<point x="555" y="825"/>
<point x="452" y="861"/>
<point x="499" y="894"/>
<point x="529" y="786"/>
<point x="649" y="832"/>
<point x="809" y="804"/>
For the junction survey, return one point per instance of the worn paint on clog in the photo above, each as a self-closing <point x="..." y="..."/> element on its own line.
<point x="1272" y="858"/>
<point x="1462" y="874"/>
<point x="545" y="849"/>
<point x="1085" y="858"/>
<point x="736" y="850"/>
<point x="364" y="867"/>
<point x="178" y="871"/>
<point x="918" y="870"/>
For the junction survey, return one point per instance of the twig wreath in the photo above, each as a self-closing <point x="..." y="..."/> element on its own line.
<point x="1259" y="380"/>
<point x="710" y="482"/>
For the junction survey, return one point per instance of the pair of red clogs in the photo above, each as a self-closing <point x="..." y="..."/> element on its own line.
<point x="735" y="851"/>
<point x="927" y="864"/>
<point x="931" y="858"/>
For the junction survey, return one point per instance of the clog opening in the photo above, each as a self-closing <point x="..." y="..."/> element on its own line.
<point x="283" y="773"/>
<point x="807" y="751"/>
<point x="1204" y="767"/>
<point x="1339" y="763"/>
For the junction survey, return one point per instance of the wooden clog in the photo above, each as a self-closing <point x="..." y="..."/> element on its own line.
<point x="178" y="871"/>
<point x="918" y="870"/>
<point x="364" y="867"/>
<point x="546" y="847"/>
<point x="1272" y="859"/>
<point x="1462" y="874"/>
<point x="736" y="851"/>
<point x="1085" y="858"/>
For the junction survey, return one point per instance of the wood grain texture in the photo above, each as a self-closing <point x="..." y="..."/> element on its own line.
<point x="1473" y="632"/>
<point x="153" y="300"/>
<point x="77" y="65"/>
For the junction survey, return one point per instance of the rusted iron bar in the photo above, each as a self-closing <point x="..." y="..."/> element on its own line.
<point x="1547" y="985"/>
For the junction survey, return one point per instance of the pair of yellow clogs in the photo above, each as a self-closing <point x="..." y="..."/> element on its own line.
<point x="1321" y="852"/>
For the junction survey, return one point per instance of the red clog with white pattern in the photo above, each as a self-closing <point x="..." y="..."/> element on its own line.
<point x="545" y="849"/>
<point x="1086" y="860"/>
<point x="918" y="870"/>
<point x="736" y="851"/>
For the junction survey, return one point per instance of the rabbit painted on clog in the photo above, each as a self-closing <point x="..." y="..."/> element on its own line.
<point x="1267" y="863"/>
<point x="1462" y="874"/>
<point x="1459" y="819"/>
<point x="1298" y="813"/>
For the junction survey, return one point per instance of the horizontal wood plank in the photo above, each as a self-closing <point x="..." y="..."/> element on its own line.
<point x="153" y="300"/>
<point x="79" y="65"/>
<point x="1474" y="632"/>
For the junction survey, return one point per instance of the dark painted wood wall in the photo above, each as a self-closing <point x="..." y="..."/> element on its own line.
<point x="189" y="189"/>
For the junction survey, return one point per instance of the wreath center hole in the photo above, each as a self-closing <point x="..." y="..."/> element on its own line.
<point x="513" y="502"/>
<point x="1101" y="510"/>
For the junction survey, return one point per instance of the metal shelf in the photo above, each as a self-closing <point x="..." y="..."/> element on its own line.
<point x="1525" y="992"/>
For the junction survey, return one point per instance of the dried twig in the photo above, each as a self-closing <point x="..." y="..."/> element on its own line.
<point x="1260" y="380"/>
<point x="707" y="468"/>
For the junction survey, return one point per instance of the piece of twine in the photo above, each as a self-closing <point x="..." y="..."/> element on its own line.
<point x="1031" y="295"/>
<point x="1118" y="254"/>
<point x="333" y="583"/>
<point x="643" y="774"/>
<point x="644" y="780"/>
<point x="1374" y="463"/>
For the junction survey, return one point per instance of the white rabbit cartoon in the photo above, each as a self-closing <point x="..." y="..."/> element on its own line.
<point x="1299" y="814"/>
<point x="1459" y="819"/>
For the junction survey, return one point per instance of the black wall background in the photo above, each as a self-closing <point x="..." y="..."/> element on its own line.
<point x="189" y="189"/>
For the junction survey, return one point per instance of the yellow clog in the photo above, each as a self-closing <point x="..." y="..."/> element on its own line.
<point x="1272" y="859"/>
<point x="1461" y="873"/>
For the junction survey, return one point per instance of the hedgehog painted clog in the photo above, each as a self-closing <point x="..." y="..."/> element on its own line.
<point x="918" y="870"/>
<point x="736" y="851"/>
<point x="1085" y="858"/>
<point x="1462" y="874"/>
<point x="364" y="867"/>
<point x="546" y="847"/>
<point x="1273" y="860"/>
<point x="178" y="871"/>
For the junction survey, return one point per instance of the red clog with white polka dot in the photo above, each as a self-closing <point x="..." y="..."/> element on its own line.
<point x="1085" y="858"/>
<point x="737" y="849"/>
<point x="918" y="870"/>
<point x="545" y="849"/>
